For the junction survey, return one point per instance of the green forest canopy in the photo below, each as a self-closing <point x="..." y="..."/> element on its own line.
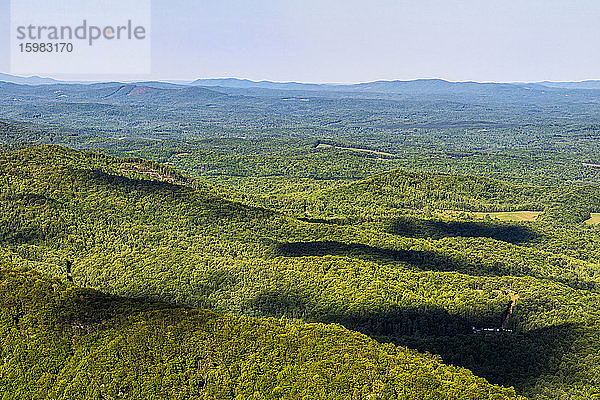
<point x="372" y="256"/>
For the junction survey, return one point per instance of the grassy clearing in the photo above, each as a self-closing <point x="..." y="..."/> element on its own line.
<point x="329" y="146"/>
<point x="595" y="219"/>
<point x="528" y="216"/>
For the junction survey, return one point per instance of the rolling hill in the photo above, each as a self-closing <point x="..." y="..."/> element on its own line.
<point x="58" y="341"/>
<point x="135" y="228"/>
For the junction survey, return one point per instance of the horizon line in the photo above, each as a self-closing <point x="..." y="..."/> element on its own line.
<point x="191" y="80"/>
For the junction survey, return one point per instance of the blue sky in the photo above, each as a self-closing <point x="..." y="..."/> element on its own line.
<point x="357" y="41"/>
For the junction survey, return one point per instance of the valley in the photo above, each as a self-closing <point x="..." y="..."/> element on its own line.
<point x="228" y="242"/>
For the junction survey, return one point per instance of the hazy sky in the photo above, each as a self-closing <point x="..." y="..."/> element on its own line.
<point x="355" y="40"/>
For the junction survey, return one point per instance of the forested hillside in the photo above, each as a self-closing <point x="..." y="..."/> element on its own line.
<point x="58" y="341"/>
<point x="388" y="193"/>
<point x="382" y="256"/>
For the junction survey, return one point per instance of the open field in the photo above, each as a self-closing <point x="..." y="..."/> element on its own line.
<point x="329" y="146"/>
<point x="595" y="219"/>
<point x="514" y="216"/>
<point x="528" y="216"/>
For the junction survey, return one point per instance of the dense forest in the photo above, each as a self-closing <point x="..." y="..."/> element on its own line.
<point x="240" y="242"/>
<point x="59" y="341"/>
<point x="135" y="228"/>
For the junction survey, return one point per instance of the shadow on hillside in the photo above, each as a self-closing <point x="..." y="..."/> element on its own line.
<point x="401" y="321"/>
<point x="332" y="221"/>
<point x="509" y="359"/>
<point x="145" y="185"/>
<point x="392" y="321"/>
<point x="424" y="260"/>
<point x="205" y="199"/>
<point x="29" y="199"/>
<point x="437" y="229"/>
<point x="22" y="236"/>
<point x="273" y="302"/>
<point x="506" y="359"/>
<point x="421" y="259"/>
<point x="91" y="308"/>
<point x="71" y="307"/>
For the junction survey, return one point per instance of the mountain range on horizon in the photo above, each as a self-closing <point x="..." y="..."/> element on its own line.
<point x="243" y="83"/>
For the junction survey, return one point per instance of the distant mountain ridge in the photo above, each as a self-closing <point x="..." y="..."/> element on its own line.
<point x="589" y="84"/>
<point x="380" y="85"/>
<point x="28" y="80"/>
<point x="435" y="84"/>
